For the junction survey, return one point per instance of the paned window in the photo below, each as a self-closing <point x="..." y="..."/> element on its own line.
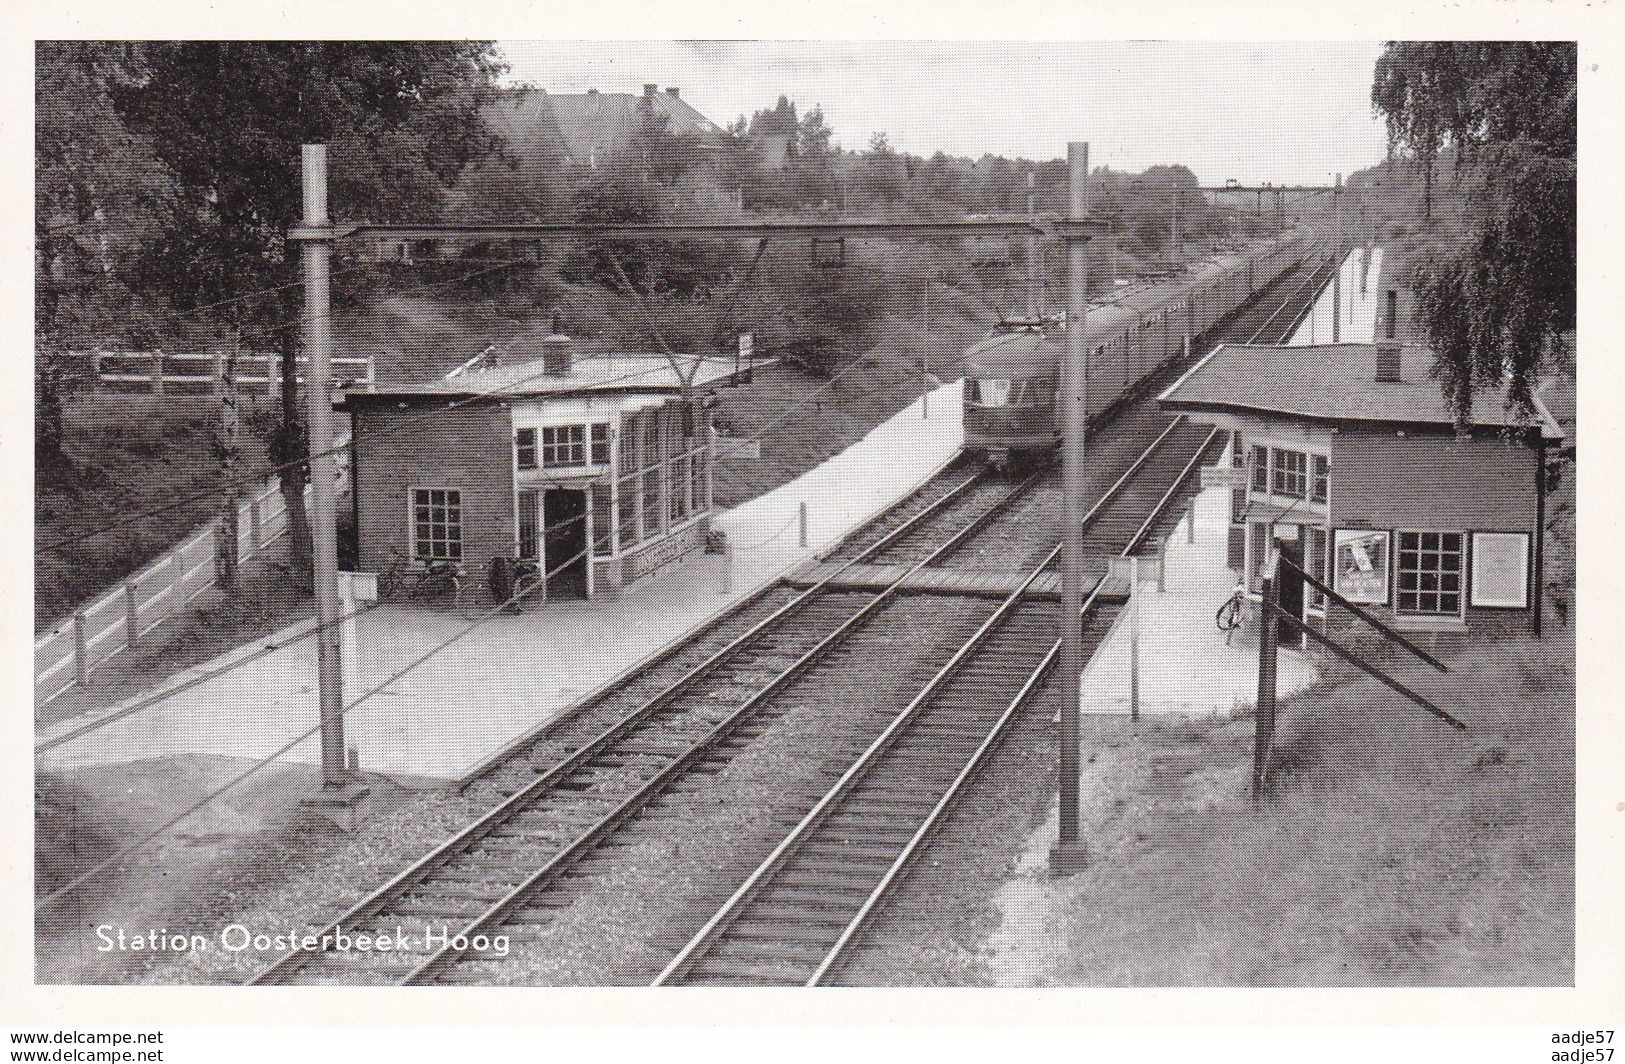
<point x="1322" y="477"/>
<point x="525" y="448"/>
<point x="1430" y="568"/>
<point x="564" y="445"/>
<point x="1289" y="473"/>
<point x="437" y="524"/>
<point x="1261" y="468"/>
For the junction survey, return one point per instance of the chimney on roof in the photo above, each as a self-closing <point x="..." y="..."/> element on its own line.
<point x="1388" y="344"/>
<point x="558" y="352"/>
<point x="671" y="90"/>
<point x="649" y="88"/>
<point x="1388" y="361"/>
<point x="592" y="92"/>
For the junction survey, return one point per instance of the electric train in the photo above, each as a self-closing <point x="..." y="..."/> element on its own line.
<point x="1011" y="376"/>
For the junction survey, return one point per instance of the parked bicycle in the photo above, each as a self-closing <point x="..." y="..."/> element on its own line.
<point x="1231" y="612"/>
<point x="436" y="579"/>
<point x="512" y="579"/>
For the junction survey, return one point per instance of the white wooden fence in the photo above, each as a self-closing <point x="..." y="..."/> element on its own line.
<point x="159" y="370"/>
<point x="126" y="614"/>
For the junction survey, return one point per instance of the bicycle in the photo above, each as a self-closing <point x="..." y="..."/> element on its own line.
<point x="433" y="580"/>
<point x="1229" y="615"/>
<point x="511" y="579"/>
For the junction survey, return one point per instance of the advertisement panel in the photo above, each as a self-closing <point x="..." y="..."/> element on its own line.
<point x="1361" y="560"/>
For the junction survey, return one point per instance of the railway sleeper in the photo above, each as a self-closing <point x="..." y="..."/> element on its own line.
<point x="776" y="934"/>
<point x="791" y="958"/>
<point x="744" y="975"/>
<point x="831" y="847"/>
<point x="821" y="881"/>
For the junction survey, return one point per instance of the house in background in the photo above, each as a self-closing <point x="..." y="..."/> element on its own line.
<point x="586" y="130"/>
<point x="1353" y="467"/>
<point x="594" y="467"/>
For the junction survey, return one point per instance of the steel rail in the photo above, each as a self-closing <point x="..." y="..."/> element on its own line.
<point x="730" y="910"/>
<point x="1307" y="281"/>
<point x="381" y="896"/>
<point x="708" y="935"/>
<point x="994" y="736"/>
<point x="1173" y="489"/>
<point x="656" y="784"/>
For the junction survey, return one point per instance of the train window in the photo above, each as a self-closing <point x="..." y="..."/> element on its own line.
<point x="990" y="392"/>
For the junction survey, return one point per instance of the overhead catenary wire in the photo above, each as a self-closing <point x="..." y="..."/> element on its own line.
<point x="251" y="481"/>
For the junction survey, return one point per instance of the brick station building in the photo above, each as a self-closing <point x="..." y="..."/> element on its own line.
<point x="1350" y="461"/>
<point x="593" y="467"/>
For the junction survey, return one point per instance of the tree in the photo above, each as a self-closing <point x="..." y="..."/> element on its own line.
<point x="813" y="134"/>
<point x="402" y="121"/>
<point x="98" y="190"/>
<point x="1496" y="305"/>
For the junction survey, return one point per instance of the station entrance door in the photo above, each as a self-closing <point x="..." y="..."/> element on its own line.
<point x="564" y="518"/>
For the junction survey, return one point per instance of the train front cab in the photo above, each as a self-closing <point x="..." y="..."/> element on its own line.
<point x="1009" y="420"/>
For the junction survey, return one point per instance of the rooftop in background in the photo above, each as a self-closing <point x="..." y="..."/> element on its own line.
<point x="1332" y="382"/>
<point x="575" y="126"/>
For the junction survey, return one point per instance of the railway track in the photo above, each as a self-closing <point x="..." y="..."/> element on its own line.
<point x="791" y="921"/>
<point x="562" y="795"/>
<point x="795" y="918"/>
<point x="572" y="790"/>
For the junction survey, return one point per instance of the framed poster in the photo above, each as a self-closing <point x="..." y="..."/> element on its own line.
<point x="1361" y="566"/>
<point x="1501" y="569"/>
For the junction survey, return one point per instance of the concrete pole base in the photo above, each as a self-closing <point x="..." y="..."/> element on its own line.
<point x="338" y="805"/>
<point x="1067" y="859"/>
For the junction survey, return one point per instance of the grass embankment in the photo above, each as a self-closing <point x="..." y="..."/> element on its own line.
<point x="1396" y="851"/>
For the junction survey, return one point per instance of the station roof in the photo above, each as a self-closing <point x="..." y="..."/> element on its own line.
<point x="528" y="378"/>
<point x="1333" y="383"/>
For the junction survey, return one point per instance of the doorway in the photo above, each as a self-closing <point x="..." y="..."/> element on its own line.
<point x="564" y="518"/>
<point x="1289" y="588"/>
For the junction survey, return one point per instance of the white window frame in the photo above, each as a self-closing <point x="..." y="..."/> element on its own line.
<point x="519" y="448"/>
<point x="1461" y="573"/>
<point x="1479" y="598"/>
<point x="417" y="556"/>
<point x="1277" y="469"/>
<point x="1317" y="462"/>
<point x="574" y="444"/>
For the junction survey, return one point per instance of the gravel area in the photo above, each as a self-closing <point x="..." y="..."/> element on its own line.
<point x="264" y="866"/>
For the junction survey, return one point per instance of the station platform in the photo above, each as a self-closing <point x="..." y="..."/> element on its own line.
<point x="1187" y="666"/>
<point x="470" y="686"/>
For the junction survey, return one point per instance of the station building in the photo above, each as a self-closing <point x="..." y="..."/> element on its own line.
<point x="593" y="467"/>
<point x="1347" y="457"/>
